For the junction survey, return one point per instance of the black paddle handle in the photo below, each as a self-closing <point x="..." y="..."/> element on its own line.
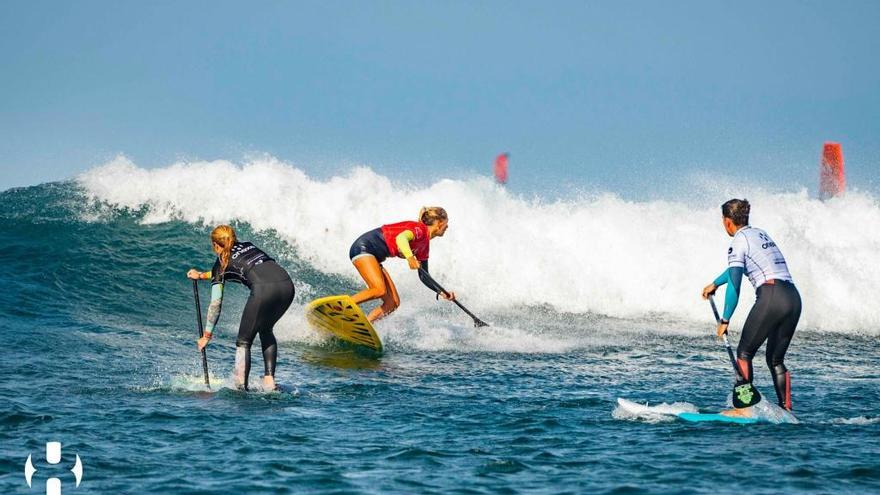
<point x="736" y="372"/>
<point x="478" y="322"/>
<point x="201" y="330"/>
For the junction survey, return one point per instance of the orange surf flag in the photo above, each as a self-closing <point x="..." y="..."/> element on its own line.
<point x="501" y="168"/>
<point x="832" y="181"/>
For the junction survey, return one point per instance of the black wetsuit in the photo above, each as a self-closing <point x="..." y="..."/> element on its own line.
<point x="370" y="243"/>
<point x="773" y="318"/>
<point x="271" y="294"/>
<point x="777" y="309"/>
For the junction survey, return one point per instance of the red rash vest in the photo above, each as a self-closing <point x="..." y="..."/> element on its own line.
<point x="420" y="245"/>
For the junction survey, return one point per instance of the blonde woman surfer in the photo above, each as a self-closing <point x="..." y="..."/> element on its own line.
<point x="271" y="294"/>
<point x="410" y="240"/>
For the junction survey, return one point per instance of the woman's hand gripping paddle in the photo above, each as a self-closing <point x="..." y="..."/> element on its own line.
<point x="201" y="331"/>
<point x="744" y="393"/>
<point x="477" y="322"/>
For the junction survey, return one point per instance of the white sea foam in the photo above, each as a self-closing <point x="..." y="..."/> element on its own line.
<point x="594" y="254"/>
<point x="861" y="420"/>
<point x="629" y="410"/>
<point x="766" y="410"/>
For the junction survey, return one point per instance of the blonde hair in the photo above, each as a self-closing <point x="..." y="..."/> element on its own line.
<point x="223" y="236"/>
<point x="429" y="215"/>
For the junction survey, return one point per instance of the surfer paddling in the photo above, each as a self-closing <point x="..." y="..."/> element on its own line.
<point x="271" y="295"/>
<point x="409" y="240"/>
<point x="777" y="309"/>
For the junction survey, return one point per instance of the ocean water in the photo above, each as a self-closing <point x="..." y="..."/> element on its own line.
<point x="590" y="297"/>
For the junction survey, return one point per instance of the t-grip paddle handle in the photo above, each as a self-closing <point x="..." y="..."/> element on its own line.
<point x="201" y="331"/>
<point x="477" y="322"/>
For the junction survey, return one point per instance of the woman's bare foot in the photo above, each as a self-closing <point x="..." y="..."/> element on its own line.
<point x="745" y="412"/>
<point x="269" y="383"/>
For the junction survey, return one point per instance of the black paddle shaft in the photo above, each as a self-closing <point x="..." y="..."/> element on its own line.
<point x="726" y="341"/>
<point x="201" y="330"/>
<point x="743" y="391"/>
<point x="736" y="372"/>
<point x="477" y="322"/>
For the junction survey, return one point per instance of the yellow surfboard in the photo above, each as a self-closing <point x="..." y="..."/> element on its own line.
<point x="340" y="316"/>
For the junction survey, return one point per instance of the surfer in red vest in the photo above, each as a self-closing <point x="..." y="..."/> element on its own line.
<point x="409" y="240"/>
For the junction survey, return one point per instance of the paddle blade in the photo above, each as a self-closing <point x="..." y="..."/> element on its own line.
<point x="480" y="323"/>
<point x="745" y="395"/>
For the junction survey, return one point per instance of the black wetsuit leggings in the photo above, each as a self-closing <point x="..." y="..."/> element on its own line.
<point x="271" y="294"/>
<point x="773" y="318"/>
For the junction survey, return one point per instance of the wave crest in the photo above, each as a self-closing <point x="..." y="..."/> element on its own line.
<point x="596" y="253"/>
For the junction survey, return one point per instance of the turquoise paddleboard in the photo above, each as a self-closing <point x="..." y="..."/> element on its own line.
<point x="675" y="410"/>
<point x="700" y="417"/>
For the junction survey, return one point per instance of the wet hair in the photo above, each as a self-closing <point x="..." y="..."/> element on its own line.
<point x="429" y="215"/>
<point x="737" y="210"/>
<point x="223" y="236"/>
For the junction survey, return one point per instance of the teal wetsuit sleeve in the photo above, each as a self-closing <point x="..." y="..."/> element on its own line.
<point x="731" y="297"/>
<point x="721" y="280"/>
<point x="214" y="308"/>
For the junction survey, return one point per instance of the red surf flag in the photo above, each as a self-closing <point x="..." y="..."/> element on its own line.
<point x="832" y="180"/>
<point x="501" y="168"/>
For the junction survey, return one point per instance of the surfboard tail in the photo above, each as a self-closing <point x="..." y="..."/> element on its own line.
<point x="343" y="319"/>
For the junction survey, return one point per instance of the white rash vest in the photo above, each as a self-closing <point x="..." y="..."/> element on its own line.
<point x="754" y="251"/>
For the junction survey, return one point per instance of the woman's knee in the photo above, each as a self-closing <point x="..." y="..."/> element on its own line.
<point x="374" y="291"/>
<point x="774" y="360"/>
<point x="745" y="354"/>
<point x="390" y="304"/>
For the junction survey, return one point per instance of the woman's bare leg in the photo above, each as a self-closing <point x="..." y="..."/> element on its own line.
<point x="390" y="300"/>
<point x="371" y="271"/>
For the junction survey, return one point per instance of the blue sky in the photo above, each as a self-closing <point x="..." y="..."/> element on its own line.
<point x="624" y="96"/>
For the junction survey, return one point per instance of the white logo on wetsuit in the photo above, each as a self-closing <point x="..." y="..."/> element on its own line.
<point x="240" y="250"/>
<point x="754" y="251"/>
